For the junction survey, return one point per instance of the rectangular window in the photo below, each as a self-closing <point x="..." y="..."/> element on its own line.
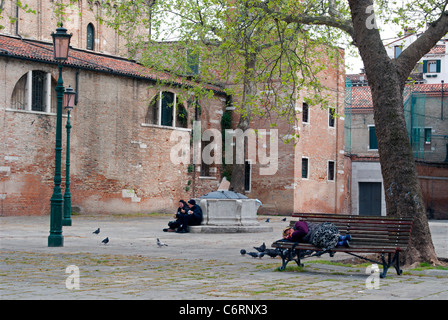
<point x="428" y="135"/>
<point x="305" y="168"/>
<point x="305" y="113"/>
<point x="205" y="167"/>
<point x="167" y="109"/>
<point x="331" y="116"/>
<point x="247" y="175"/>
<point x="431" y="66"/>
<point x="37" y="94"/>
<point x="192" y="63"/>
<point x="373" y="143"/>
<point x="331" y="170"/>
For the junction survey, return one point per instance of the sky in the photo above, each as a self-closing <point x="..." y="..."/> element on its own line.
<point x="388" y="33"/>
<point x="354" y="63"/>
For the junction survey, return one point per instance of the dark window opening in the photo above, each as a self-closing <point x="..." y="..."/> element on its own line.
<point x="247" y="168"/>
<point x="192" y="63"/>
<point x="182" y="116"/>
<point x="331" y="170"/>
<point x="305" y="168"/>
<point x="152" y="115"/>
<point x="37" y="93"/>
<point x="90" y="36"/>
<point x="167" y="108"/>
<point x="305" y="113"/>
<point x="331" y="116"/>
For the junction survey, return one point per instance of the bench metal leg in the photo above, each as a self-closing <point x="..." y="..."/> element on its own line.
<point x="395" y="261"/>
<point x="299" y="254"/>
<point x="288" y="255"/>
<point x="385" y="266"/>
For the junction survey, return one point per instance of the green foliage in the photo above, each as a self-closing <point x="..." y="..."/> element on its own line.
<point x="264" y="61"/>
<point x="226" y="121"/>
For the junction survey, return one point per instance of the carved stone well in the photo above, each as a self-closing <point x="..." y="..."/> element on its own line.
<point x="228" y="212"/>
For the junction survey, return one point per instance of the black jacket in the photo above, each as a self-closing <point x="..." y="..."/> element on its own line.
<point x="197" y="212"/>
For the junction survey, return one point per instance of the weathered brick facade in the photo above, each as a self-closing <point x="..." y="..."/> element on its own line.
<point x="120" y="163"/>
<point x="287" y="191"/>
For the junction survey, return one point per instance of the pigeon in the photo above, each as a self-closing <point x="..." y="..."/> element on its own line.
<point x="272" y="252"/>
<point x="160" y="243"/>
<point x="105" y="241"/>
<point x="96" y="231"/>
<point x="267" y="220"/>
<point x="284" y="219"/>
<point x="256" y="254"/>
<point x="261" y="248"/>
<point x="243" y="252"/>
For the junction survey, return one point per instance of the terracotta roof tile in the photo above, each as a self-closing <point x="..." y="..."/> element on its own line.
<point x="438" y="49"/>
<point x="43" y="51"/>
<point x="360" y="98"/>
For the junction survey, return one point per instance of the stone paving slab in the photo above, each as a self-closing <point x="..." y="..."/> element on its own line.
<point x="192" y="266"/>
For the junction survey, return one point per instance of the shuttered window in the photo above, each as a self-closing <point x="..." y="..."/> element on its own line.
<point x="431" y="66"/>
<point x="373" y="143"/>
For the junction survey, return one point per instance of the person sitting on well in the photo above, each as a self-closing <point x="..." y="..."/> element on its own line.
<point x="192" y="218"/>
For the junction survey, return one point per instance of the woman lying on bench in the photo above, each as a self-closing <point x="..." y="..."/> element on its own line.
<point x="322" y="235"/>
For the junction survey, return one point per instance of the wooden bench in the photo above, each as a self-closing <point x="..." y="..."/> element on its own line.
<point x="382" y="235"/>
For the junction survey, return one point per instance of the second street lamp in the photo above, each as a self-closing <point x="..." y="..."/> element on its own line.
<point x="69" y="103"/>
<point x="61" y="42"/>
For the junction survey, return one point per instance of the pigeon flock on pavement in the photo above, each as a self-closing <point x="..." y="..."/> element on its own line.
<point x="261" y="250"/>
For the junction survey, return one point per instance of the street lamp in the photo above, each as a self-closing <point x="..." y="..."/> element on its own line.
<point x="61" y="42"/>
<point x="69" y="103"/>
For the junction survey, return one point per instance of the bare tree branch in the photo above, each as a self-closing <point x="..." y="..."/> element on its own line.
<point x="412" y="54"/>
<point x="332" y="21"/>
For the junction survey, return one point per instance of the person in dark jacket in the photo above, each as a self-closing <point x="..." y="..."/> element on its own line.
<point x="323" y="235"/>
<point x="181" y="211"/>
<point x="192" y="218"/>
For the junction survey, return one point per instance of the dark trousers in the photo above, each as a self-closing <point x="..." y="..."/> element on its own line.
<point x="174" y="224"/>
<point x="188" y="220"/>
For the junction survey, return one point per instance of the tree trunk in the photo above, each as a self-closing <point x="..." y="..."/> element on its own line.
<point x="249" y="91"/>
<point x="238" y="169"/>
<point x="401" y="185"/>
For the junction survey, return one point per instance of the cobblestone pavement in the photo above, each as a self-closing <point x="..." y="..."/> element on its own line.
<point x="192" y="266"/>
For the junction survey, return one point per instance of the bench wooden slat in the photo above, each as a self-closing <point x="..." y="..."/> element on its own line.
<point x="360" y="229"/>
<point x="359" y="249"/>
<point x="354" y="217"/>
<point x="387" y="224"/>
<point x="380" y="230"/>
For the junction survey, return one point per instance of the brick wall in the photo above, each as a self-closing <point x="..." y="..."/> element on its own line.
<point x="39" y="26"/>
<point x="118" y="165"/>
<point x="286" y="191"/>
<point x="433" y="178"/>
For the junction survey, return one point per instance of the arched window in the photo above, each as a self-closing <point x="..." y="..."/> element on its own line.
<point x="164" y="110"/>
<point x="34" y="92"/>
<point x="90" y="36"/>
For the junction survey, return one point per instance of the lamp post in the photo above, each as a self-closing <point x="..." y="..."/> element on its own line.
<point x="69" y="103"/>
<point x="61" y="42"/>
